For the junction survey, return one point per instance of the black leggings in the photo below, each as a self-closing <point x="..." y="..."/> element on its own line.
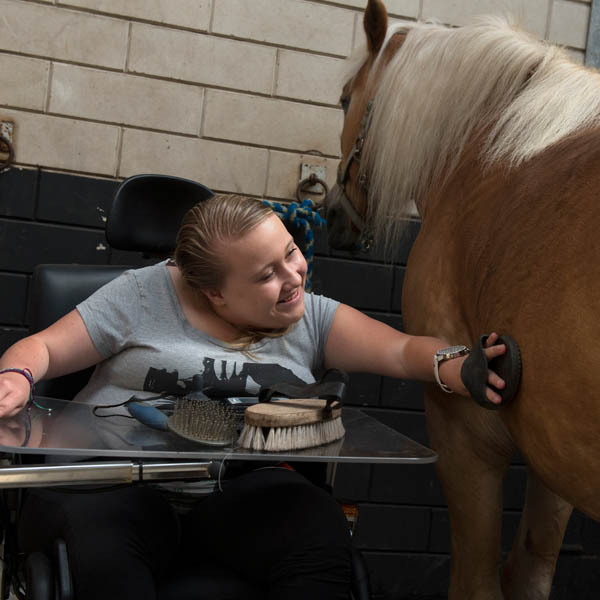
<point x="270" y="526"/>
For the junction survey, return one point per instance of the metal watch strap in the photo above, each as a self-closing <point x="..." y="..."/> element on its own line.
<point x="446" y="354"/>
<point x="436" y="372"/>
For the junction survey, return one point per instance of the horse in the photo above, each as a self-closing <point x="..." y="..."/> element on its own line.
<point x="494" y="136"/>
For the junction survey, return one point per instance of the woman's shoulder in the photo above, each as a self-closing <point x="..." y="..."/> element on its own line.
<point x="133" y="284"/>
<point x="148" y="278"/>
<point x="318" y="312"/>
<point x="148" y="272"/>
<point x="317" y="302"/>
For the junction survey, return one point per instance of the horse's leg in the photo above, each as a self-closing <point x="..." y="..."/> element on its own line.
<point x="474" y="452"/>
<point x="529" y="569"/>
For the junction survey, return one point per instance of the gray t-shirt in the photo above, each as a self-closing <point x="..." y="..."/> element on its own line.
<point x="149" y="347"/>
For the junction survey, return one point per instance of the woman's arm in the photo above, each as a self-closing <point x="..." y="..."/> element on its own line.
<point x="358" y="343"/>
<point x="62" y="348"/>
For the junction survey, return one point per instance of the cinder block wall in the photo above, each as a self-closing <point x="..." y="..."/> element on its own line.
<point x="236" y="94"/>
<point x="228" y="92"/>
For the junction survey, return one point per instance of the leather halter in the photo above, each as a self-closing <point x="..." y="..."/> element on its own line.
<point x="366" y="239"/>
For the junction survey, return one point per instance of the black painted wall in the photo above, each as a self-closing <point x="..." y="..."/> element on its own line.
<point x="403" y="523"/>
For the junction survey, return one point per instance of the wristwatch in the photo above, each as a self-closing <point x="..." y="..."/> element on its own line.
<point x="446" y="354"/>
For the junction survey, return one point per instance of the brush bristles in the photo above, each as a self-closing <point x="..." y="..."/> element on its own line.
<point x="292" y="438"/>
<point x="252" y="437"/>
<point x="204" y="421"/>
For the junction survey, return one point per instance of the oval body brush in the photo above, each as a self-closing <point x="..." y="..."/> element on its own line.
<point x="291" y="424"/>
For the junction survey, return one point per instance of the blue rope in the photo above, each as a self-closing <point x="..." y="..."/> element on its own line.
<point x="301" y="216"/>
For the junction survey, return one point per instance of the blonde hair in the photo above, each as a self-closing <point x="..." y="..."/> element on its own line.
<point x="205" y="229"/>
<point x="445" y="85"/>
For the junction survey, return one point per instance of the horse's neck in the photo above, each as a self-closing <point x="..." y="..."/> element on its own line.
<point x="456" y="191"/>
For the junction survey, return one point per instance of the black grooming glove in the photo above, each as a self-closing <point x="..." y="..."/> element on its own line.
<point x="474" y="372"/>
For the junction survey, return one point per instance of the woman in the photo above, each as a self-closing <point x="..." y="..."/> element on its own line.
<point x="232" y="308"/>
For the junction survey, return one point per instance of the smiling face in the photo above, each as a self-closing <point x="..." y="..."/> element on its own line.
<point x="264" y="280"/>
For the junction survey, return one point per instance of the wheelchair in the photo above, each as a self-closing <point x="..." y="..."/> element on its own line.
<point x="144" y="217"/>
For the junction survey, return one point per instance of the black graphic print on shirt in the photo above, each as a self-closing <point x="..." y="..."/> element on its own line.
<point x="232" y="379"/>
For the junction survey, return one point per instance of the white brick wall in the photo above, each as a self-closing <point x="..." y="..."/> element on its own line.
<point x="23" y="81"/>
<point x="232" y="93"/>
<point x="64" y="143"/>
<point x="202" y="59"/>
<point x="190" y="14"/>
<point x="569" y="23"/>
<point x="218" y="165"/>
<point x="296" y="23"/>
<point x="62" y="34"/>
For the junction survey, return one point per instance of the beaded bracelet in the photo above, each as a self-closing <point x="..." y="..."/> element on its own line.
<point x="29" y="376"/>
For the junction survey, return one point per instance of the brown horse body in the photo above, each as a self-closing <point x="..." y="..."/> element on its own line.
<point x="515" y="254"/>
<point x="512" y="250"/>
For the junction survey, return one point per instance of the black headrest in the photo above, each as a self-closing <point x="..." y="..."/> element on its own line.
<point x="147" y="211"/>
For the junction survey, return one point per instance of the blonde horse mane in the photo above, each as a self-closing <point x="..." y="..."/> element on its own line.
<point x="447" y="84"/>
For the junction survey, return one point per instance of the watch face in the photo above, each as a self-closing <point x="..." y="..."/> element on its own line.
<point x="452" y="349"/>
<point x="451" y="352"/>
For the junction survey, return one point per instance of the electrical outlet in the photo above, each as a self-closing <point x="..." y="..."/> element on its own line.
<point x="7" y="130"/>
<point x="306" y="170"/>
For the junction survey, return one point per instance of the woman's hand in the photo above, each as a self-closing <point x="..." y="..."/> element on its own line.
<point x="62" y="348"/>
<point x="14" y="393"/>
<point x="450" y="371"/>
